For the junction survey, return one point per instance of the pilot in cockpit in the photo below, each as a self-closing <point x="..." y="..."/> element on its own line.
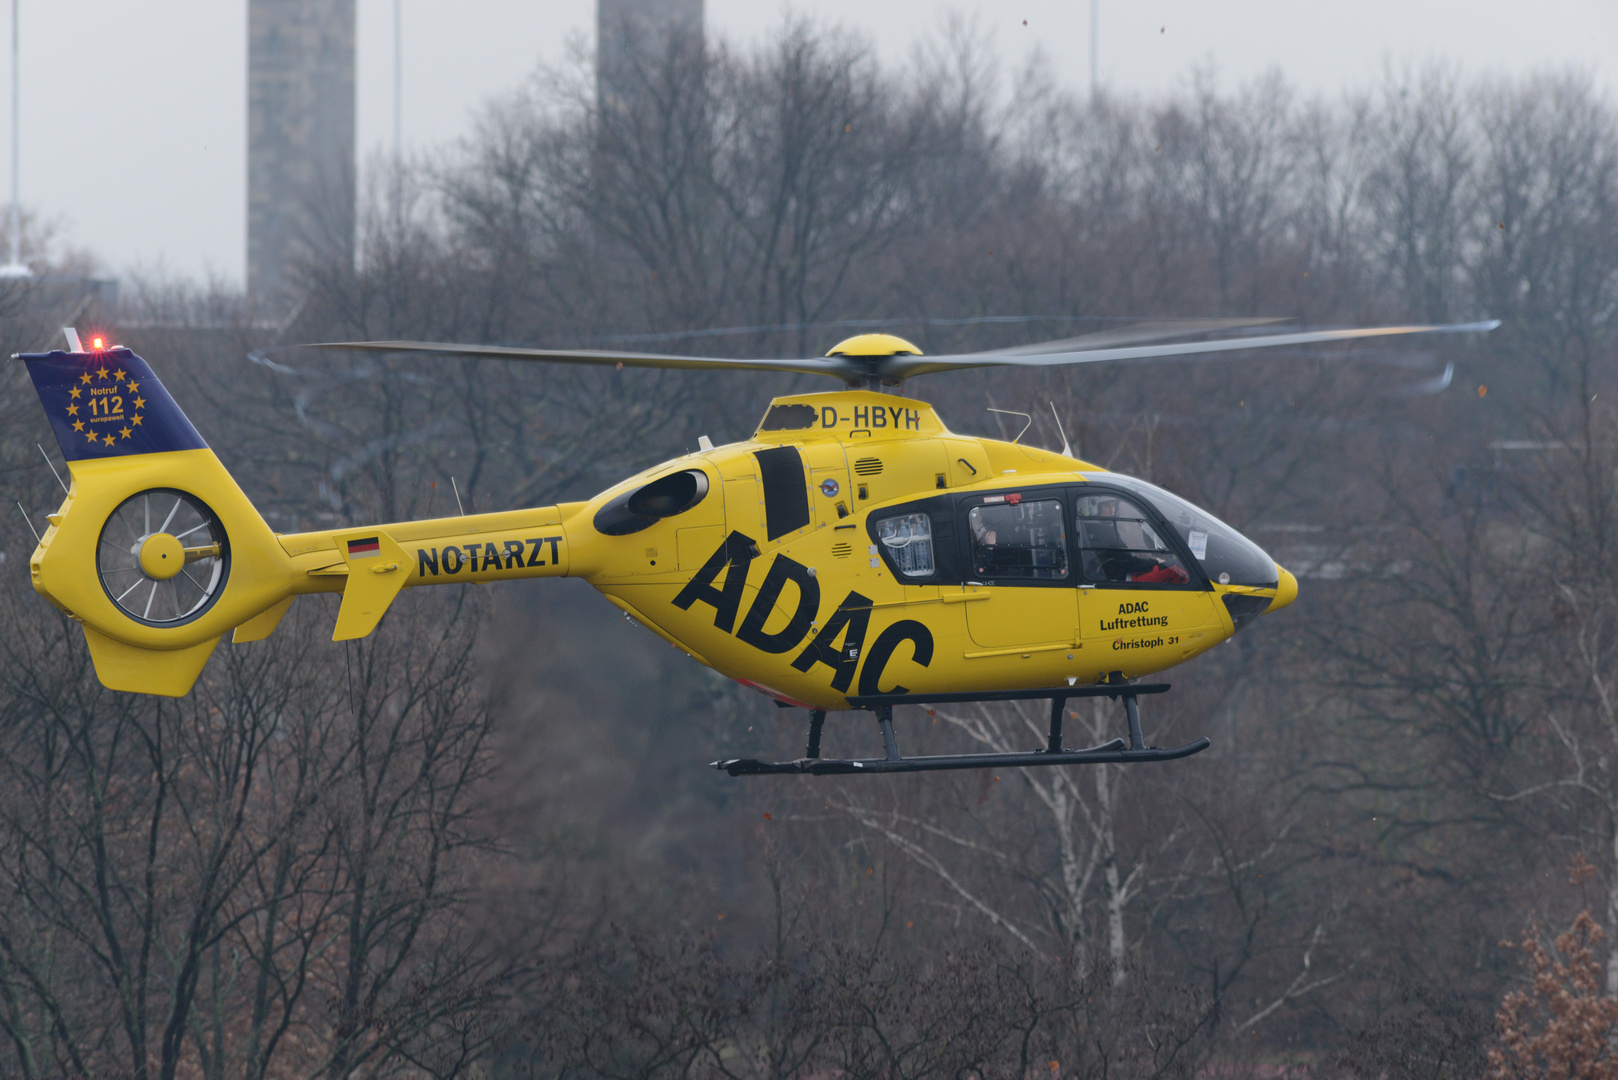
<point x="1127" y="549"/>
<point x="984" y="540"/>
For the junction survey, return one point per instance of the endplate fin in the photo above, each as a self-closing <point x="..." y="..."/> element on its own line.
<point x="377" y="569"/>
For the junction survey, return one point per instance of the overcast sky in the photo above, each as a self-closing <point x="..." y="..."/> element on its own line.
<point x="134" y="114"/>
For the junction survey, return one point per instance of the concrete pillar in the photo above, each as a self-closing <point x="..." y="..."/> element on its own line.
<point x="637" y="32"/>
<point x="300" y="139"/>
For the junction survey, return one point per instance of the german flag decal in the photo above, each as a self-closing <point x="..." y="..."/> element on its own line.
<point x="363" y="548"/>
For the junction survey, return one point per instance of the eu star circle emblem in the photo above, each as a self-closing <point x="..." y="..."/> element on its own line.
<point x="829" y="488"/>
<point x="108" y="410"/>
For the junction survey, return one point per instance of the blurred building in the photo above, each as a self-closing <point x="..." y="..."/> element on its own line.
<point x="79" y="299"/>
<point x="631" y="33"/>
<point x="300" y="137"/>
<point x="34" y="309"/>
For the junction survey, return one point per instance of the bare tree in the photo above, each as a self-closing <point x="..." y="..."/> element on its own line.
<point x="276" y="869"/>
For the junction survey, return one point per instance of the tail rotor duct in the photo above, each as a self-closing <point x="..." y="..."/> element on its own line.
<point x="163" y="557"/>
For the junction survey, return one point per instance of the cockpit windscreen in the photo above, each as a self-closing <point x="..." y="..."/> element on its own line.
<point x="1227" y="556"/>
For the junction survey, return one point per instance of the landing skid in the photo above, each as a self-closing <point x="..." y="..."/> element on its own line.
<point x="1117" y="752"/>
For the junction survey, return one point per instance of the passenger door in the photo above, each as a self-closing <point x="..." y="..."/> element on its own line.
<point x="1017" y="560"/>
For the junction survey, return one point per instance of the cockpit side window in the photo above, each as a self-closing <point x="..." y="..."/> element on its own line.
<point x="1018" y="541"/>
<point x="1118" y="543"/>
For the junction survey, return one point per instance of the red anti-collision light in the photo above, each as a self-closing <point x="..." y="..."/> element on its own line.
<point x="95" y="343"/>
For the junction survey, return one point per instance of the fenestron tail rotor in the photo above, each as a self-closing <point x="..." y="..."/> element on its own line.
<point x="163" y="557"/>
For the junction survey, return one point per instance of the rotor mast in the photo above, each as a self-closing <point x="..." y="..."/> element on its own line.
<point x="873" y="353"/>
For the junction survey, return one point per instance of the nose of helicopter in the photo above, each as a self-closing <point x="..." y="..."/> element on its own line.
<point x="1286" y="590"/>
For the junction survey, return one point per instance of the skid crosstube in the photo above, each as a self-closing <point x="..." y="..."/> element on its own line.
<point x="1118" y="751"/>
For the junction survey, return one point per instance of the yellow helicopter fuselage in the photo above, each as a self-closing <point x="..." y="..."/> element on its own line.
<point x="825" y="609"/>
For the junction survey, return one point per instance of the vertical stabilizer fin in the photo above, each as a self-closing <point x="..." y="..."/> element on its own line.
<point x="168" y="672"/>
<point x="108" y="404"/>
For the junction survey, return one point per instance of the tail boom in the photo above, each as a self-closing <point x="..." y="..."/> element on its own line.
<point x="63" y="565"/>
<point x="153" y="515"/>
<point x="371" y="565"/>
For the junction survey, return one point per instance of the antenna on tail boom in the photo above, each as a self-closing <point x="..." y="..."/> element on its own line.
<point x="52" y="464"/>
<point x="30" y="521"/>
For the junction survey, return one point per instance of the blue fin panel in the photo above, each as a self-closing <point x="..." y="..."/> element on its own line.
<point x="108" y="404"/>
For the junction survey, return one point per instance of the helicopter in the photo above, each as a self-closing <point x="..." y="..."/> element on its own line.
<point x="853" y="554"/>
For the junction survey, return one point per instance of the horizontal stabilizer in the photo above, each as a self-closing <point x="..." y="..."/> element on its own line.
<point x="263" y="624"/>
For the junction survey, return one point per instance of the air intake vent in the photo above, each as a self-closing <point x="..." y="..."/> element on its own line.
<point x="1244" y="609"/>
<point x="842" y="551"/>
<point x="868" y="466"/>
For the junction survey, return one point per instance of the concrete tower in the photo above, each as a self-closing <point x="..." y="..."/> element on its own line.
<point x="300" y="137"/>
<point x="632" y="32"/>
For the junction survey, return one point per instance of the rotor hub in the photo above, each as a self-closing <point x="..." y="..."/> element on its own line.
<point x="873" y="345"/>
<point x="161" y="556"/>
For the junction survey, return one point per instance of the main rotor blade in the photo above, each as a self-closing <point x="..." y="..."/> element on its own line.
<point x="835" y="366"/>
<point x="1094" y="348"/>
<point x="1134" y="334"/>
<point x="904" y="367"/>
